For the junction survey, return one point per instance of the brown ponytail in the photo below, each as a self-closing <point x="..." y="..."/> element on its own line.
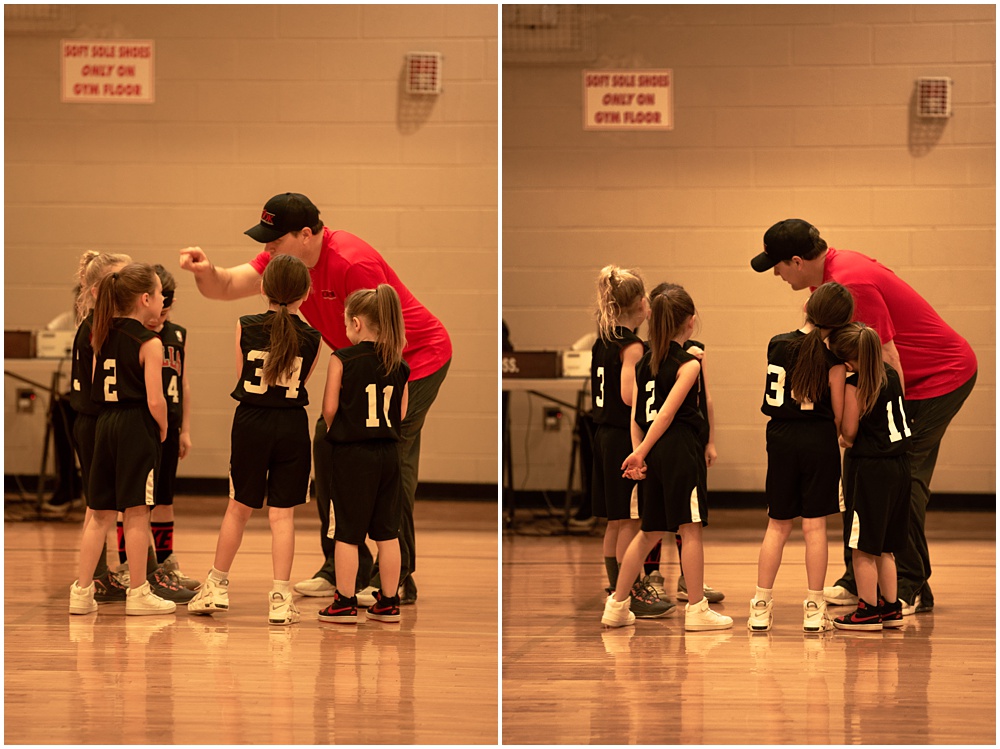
<point x="383" y="313"/>
<point x="859" y="343"/>
<point x="117" y="294"/>
<point x="285" y="281"/>
<point x="829" y="307"/>
<point x="670" y="307"/>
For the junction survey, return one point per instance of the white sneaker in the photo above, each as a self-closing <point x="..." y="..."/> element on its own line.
<point x="760" y="615"/>
<point x="210" y="598"/>
<point x="698" y="617"/>
<point x="366" y="597"/>
<point x="617" y="613"/>
<point x="282" y="610"/>
<point x="814" y="617"/>
<point x="316" y="586"/>
<point x="909" y="610"/>
<point x="81" y="600"/>
<point x="839" y="596"/>
<point x="142" y="601"/>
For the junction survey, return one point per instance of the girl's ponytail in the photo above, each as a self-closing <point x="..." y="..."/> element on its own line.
<point x="859" y="343"/>
<point x="285" y="281"/>
<point x="618" y="291"/>
<point x="116" y="296"/>
<point x="829" y="307"/>
<point x="383" y="312"/>
<point x="93" y="267"/>
<point x="670" y="307"/>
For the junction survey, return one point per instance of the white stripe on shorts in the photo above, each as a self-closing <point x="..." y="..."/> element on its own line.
<point x="332" y="529"/>
<point x="695" y="513"/>
<point x="840" y="496"/>
<point x="150" y="499"/>
<point x="855" y="532"/>
<point x="633" y="507"/>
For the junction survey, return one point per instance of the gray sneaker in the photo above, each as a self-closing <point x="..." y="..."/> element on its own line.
<point x="646" y="604"/>
<point x="713" y="596"/>
<point x="173" y="570"/>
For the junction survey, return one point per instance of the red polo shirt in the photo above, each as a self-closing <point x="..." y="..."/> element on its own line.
<point x="347" y="263"/>
<point x="936" y="360"/>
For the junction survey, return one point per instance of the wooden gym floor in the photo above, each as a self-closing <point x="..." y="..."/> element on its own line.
<point x="181" y="679"/>
<point x="567" y="680"/>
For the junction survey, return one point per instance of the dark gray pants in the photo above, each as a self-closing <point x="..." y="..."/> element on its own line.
<point x="422" y="394"/>
<point x="928" y="420"/>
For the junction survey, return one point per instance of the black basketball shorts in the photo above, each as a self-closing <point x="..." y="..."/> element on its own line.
<point x="675" y="490"/>
<point x="880" y="490"/>
<point x="84" y="438"/>
<point x="271" y="456"/>
<point x="803" y="469"/>
<point x="367" y="491"/>
<point x="612" y="496"/>
<point x="126" y="459"/>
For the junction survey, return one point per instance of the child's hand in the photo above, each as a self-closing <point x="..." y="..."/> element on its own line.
<point x="845" y="443"/>
<point x="185" y="444"/>
<point x="697" y="352"/>
<point x="710" y="455"/>
<point x="634" y="468"/>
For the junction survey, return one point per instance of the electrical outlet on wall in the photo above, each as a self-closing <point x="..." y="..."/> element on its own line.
<point x="552" y="419"/>
<point x="25" y="401"/>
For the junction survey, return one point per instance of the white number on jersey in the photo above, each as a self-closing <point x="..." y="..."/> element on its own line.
<point x="599" y="398"/>
<point x="372" y="420"/>
<point x="291" y="383"/>
<point x="110" y="380"/>
<point x="650" y="411"/>
<point x="894" y="434"/>
<point x="775" y="392"/>
<point x="172" y="389"/>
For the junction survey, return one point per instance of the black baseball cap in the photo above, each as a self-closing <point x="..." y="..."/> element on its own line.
<point x="783" y="241"/>
<point x="283" y="213"/>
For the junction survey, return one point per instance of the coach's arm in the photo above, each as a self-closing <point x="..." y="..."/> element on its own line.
<point x="220" y="283"/>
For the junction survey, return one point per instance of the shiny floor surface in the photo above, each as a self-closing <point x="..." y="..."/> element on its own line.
<point x="233" y="679"/>
<point x="568" y="680"/>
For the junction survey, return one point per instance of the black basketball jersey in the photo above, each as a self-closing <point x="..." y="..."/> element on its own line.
<point x="885" y="430"/>
<point x="653" y="392"/>
<point x="82" y="370"/>
<point x="778" y="401"/>
<point x="174" y="338"/>
<point x="119" y="378"/>
<point x="255" y="340"/>
<point x="606" y="378"/>
<point x="371" y="399"/>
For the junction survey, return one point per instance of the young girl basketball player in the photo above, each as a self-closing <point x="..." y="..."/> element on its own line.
<point x="131" y="426"/>
<point x="876" y="432"/>
<point x="363" y="406"/>
<point x="669" y="435"/>
<point x="94" y="266"/>
<point x="276" y="352"/>
<point x="804" y="396"/>
<point x="178" y="396"/>
<point x="621" y="308"/>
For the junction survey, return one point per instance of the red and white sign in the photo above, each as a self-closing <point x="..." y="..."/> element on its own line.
<point x="628" y="100"/>
<point x="106" y="71"/>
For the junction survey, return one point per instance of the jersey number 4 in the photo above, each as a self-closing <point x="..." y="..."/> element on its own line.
<point x="290" y="383"/>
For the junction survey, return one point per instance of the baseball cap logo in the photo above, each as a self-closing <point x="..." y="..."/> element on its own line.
<point x="267" y="218"/>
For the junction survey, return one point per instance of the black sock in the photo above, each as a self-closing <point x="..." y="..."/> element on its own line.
<point x="611" y="565"/>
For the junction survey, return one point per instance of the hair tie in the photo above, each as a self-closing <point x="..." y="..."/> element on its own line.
<point x="282" y="304"/>
<point x="115" y="275"/>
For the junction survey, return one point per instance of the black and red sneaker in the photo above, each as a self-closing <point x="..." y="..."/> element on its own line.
<point x="892" y="613"/>
<point x="108" y="589"/>
<point x="385" y="608"/>
<point x="342" y="611"/>
<point x="865" y="618"/>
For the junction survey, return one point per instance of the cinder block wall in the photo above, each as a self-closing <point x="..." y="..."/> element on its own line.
<point x="781" y="111"/>
<point x="252" y="100"/>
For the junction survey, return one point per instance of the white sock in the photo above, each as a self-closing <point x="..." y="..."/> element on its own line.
<point x="281" y="586"/>
<point x="816" y="596"/>
<point x="217" y="576"/>
<point x="763" y="594"/>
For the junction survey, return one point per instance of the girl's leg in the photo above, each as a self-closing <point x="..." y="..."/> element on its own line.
<point x="693" y="560"/>
<point x="345" y="559"/>
<point x="282" y="541"/>
<point x="231" y="534"/>
<point x="632" y="562"/>
<point x="389" y="563"/>
<point x="135" y="525"/>
<point x="814" y="533"/>
<point x="96" y="525"/>
<point x="866" y="574"/>
<point x="771" y="549"/>
<point x="611" y="538"/>
<point x="886" y="565"/>
<point x="627" y="530"/>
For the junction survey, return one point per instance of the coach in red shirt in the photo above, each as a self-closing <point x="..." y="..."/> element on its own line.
<point x="936" y="365"/>
<point x="340" y="263"/>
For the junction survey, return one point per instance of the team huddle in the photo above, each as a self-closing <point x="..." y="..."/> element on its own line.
<point x="834" y="383"/>
<point x="131" y="395"/>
